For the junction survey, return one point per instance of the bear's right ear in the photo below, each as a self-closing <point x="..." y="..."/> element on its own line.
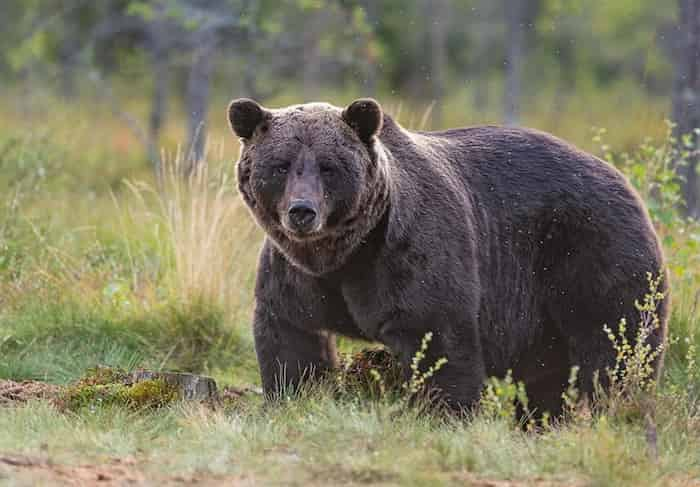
<point x="245" y="115"/>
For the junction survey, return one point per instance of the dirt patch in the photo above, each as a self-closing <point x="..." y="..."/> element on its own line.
<point x="476" y="481"/>
<point x="117" y="472"/>
<point x="12" y="392"/>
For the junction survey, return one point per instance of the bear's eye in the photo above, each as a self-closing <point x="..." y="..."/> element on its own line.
<point x="280" y="168"/>
<point x="326" y="168"/>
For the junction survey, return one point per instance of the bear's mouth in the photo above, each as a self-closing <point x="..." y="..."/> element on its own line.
<point x="303" y="236"/>
<point x="303" y="233"/>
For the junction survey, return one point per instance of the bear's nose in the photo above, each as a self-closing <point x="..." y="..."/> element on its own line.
<point x="302" y="215"/>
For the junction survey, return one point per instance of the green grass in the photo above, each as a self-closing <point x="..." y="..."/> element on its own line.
<point x="322" y="441"/>
<point x="94" y="271"/>
<point x="58" y="343"/>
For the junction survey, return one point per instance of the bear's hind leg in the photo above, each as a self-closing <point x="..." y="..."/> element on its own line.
<point x="582" y="318"/>
<point x="545" y="372"/>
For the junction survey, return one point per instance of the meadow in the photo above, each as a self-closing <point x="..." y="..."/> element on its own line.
<point x="101" y="263"/>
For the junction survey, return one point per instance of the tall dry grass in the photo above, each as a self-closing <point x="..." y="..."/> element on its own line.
<point x="209" y="241"/>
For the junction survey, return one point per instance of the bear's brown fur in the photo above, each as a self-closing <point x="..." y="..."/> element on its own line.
<point x="513" y="247"/>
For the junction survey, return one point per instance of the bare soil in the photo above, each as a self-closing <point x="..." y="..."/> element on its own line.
<point x="24" y="470"/>
<point x="12" y="392"/>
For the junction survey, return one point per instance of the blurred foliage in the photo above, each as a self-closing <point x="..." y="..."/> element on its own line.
<point x="573" y="43"/>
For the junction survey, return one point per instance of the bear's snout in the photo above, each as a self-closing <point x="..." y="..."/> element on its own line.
<point x="303" y="216"/>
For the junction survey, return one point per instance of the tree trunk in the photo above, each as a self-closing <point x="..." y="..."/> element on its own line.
<point x="515" y="50"/>
<point x="371" y="68"/>
<point x="69" y="51"/>
<point x="191" y="387"/>
<point x="437" y="11"/>
<point x="159" y="97"/>
<point x="686" y="94"/>
<point x="198" y="84"/>
<point x="67" y="66"/>
<point x="252" y="54"/>
<point x="481" y="95"/>
<point x="311" y="70"/>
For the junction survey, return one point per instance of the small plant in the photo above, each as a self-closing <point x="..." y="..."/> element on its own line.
<point x="571" y="394"/>
<point x="501" y="398"/>
<point x="633" y="379"/>
<point x="634" y="363"/>
<point x="687" y="390"/>
<point x="418" y="379"/>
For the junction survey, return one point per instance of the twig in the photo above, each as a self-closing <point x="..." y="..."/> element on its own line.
<point x="651" y="437"/>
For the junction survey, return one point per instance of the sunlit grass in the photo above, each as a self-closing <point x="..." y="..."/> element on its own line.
<point x="320" y="440"/>
<point x="99" y="264"/>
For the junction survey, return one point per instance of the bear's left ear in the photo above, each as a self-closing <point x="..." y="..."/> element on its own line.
<point x="365" y="117"/>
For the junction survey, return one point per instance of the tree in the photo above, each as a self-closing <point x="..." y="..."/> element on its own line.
<point x="520" y="19"/>
<point x="515" y="50"/>
<point x="437" y="11"/>
<point x="686" y="94"/>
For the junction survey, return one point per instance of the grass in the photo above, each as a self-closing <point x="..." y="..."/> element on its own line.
<point x="99" y="265"/>
<point x="321" y="441"/>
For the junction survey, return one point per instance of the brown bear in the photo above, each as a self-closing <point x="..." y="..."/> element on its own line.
<point x="511" y="246"/>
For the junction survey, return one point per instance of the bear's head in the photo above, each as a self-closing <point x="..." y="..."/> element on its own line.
<point x="314" y="176"/>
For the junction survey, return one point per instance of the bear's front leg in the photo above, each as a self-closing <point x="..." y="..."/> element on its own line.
<point x="459" y="381"/>
<point x="288" y="355"/>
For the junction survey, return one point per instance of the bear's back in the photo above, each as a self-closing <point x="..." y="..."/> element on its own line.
<point x="518" y="154"/>
<point x="521" y="185"/>
<point x="521" y="168"/>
